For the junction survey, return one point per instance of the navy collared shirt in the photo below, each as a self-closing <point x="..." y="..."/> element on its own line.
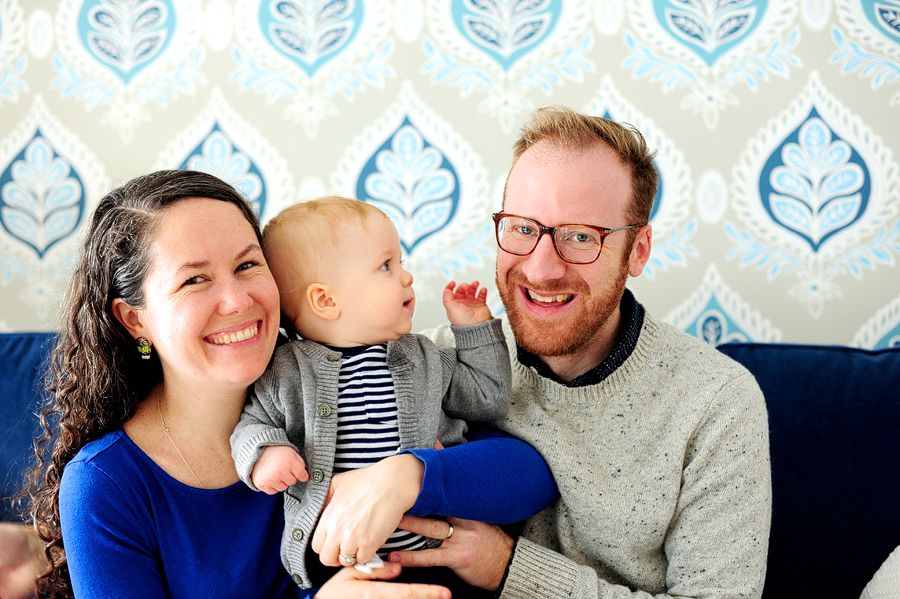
<point x="632" y="316"/>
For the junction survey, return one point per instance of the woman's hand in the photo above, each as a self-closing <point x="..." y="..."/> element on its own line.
<point x="351" y="583"/>
<point x="20" y="561"/>
<point x="365" y="506"/>
<point x="477" y="552"/>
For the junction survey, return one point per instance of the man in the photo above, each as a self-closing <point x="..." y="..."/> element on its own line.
<point x="657" y="442"/>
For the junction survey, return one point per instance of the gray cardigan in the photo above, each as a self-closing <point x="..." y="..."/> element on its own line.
<point x="295" y="403"/>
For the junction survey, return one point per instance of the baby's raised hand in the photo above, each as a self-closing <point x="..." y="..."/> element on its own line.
<point x="278" y="468"/>
<point x="465" y="304"/>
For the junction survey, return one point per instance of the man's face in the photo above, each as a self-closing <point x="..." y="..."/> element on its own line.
<point x="557" y="308"/>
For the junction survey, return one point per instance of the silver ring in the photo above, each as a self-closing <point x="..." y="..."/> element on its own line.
<point x="449" y="534"/>
<point x="347" y="559"/>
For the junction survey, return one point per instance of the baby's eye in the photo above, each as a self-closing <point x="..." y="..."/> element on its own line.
<point x="385" y="266"/>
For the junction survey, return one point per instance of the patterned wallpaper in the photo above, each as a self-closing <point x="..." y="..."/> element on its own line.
<point x="777" y="123"/>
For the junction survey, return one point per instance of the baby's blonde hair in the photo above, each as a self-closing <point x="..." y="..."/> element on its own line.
<point x="299" y="240"/>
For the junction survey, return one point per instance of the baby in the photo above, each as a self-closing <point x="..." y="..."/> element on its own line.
<point x="358" y="387"/>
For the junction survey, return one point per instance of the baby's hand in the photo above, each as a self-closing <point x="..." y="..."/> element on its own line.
<point x="278" y="468"/>
<point x="465" y="304"/>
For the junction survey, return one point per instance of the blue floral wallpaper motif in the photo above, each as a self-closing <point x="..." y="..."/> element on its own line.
<point x="774" y="124"/>
<point x="821" y="200"/>
<point x="413" y="183"/>
<point x="48" y="185"/>
<point x="504" y="48"/>
<point x="222" y="143"/>
<point x="417" y="169"/>
<point x="871" y="46"/>
<point x="711" y="47"/>
<point x="310" y="52"/>
<point x="12" y="62"/>
<point x="126" y="55"/>
<point x="41" y="197"/>
<point x="716" y="314"/>
<point x="815" y="185"/>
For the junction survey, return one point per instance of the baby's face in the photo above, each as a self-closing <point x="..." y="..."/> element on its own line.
<point x="373" y="290"/>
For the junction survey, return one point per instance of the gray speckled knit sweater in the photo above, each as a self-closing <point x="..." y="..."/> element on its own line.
<point x="663" y="472"/>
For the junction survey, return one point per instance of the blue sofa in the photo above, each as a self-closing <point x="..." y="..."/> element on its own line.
<point x="834" y="417"/>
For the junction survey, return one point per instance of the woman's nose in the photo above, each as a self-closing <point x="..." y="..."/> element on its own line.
<point x="235" y="299"/>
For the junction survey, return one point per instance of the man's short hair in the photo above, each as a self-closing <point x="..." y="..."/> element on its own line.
<point x="571" y="130"/>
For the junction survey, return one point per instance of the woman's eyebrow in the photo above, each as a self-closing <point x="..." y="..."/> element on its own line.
<point x="253" y="247"/>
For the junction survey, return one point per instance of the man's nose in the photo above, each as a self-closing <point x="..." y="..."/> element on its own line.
<point x="544" y="263"/>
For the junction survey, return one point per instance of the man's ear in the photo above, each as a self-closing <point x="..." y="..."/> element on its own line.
<point x="129" y="316"/>
<point x="640" y="251"/>
<point x="322" y="301"/>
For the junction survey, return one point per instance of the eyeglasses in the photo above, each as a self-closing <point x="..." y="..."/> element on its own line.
<point x="576" y="244"/>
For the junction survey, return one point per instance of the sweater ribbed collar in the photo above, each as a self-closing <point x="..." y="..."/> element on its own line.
<point x="632" y="316"/>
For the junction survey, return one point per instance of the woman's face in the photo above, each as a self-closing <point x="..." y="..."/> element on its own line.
<point x="211" y="306"/>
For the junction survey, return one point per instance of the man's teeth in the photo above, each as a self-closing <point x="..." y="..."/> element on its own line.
<point x="548" y="299"/>
<point x="237" y="336"/>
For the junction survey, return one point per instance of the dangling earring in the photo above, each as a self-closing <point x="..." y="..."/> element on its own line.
<point x="143" y="347"/>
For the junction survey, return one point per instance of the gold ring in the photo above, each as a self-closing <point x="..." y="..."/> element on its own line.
<point x="450" y="533"/>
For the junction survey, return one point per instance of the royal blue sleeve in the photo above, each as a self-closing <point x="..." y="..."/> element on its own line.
<point x="493" y="478"/>
<point x="108" y="547"/>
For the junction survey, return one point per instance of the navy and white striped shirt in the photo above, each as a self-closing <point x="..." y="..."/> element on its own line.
<point x="367" y="429"/>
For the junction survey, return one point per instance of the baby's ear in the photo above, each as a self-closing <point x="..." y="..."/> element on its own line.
<point x="322" y="302"/>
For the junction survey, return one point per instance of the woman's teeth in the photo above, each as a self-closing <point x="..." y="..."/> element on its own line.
<point x="237" y="336"/>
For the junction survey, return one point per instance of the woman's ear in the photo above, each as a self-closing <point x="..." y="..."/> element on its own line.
<point x="322" y="302"/>
<point x="129" y="316"/>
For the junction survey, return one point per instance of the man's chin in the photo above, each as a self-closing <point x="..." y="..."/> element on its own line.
<point x="541" y="337"/>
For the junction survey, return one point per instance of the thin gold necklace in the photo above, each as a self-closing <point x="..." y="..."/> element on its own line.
<point x="166" y="428"/>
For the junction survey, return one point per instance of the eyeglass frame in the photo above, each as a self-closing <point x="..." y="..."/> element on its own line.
<point x="551" y="231"/>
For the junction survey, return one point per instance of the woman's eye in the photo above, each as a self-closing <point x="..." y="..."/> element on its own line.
<point x="194" y="280"/>
<point x="248" y="264"/>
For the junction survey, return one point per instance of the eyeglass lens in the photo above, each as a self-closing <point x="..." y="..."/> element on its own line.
<point x="574" y="243"/>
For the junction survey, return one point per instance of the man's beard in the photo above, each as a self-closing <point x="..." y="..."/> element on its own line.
<point x="567" y="335"/>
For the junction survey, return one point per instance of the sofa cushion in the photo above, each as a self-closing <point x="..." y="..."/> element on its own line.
<point x="22" y="357"/>
<point x="834" y="421"/>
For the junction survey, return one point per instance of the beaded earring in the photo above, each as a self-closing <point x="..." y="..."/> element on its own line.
<point x="143" y="347"/>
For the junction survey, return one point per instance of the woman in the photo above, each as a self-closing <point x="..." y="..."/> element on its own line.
<point x="171" y="314"/>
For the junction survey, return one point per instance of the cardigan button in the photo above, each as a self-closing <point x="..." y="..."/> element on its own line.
<point x="324" y="410"/>
<point x="297" y="534"/>
<point x="318" y="476"/>
<point x="334" y="357"/>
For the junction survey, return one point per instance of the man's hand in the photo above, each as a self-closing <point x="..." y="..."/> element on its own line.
<point x="278" y="468"/>
<point x="477" y="552"/>
<point x="465" y="304"/>
<point x="20" y="560"/>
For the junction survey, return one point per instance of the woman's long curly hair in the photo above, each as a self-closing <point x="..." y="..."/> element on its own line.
<point x="95" y="376"/>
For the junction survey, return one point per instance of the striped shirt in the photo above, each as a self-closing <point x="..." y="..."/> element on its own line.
<point x="367" y="429"/>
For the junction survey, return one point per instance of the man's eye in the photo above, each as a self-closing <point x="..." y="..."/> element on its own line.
<point x="525" y="230"/>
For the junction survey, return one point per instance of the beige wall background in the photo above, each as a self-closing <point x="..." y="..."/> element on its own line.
<point x="777" y="124"/>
